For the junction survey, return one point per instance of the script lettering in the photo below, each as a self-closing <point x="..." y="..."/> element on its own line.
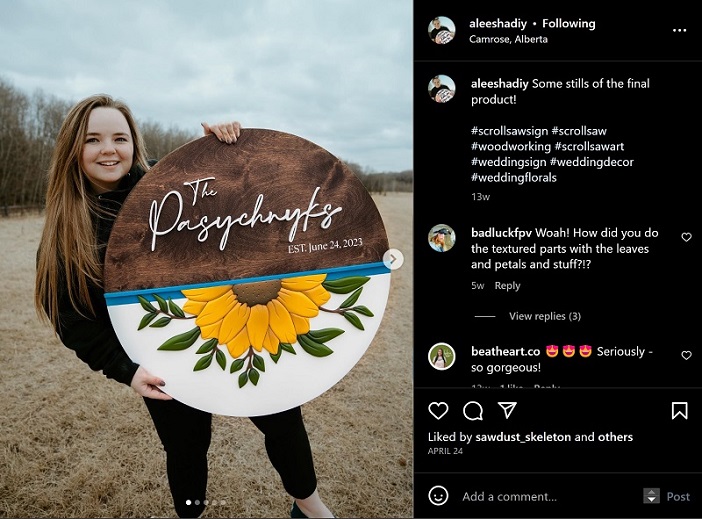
<point x="227" y="222"/>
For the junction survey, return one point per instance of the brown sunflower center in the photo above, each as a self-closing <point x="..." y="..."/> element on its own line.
<point x="258" y="293"/>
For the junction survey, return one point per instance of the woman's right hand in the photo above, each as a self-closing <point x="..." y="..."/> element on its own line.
<point x="147" y="385"/>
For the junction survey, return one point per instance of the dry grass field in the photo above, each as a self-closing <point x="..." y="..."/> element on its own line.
<point x="74" y="444"/>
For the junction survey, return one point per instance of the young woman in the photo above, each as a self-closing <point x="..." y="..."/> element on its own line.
<point x="437" y="241"/>
<point x="439" y="360"/>
<point x="99" y="157"/>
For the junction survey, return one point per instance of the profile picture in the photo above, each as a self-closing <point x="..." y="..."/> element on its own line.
<point x="442" y="30"/>
<point x="442" y="238"/>
<point x="441" y="88"/>
<point x="441" y="356"/>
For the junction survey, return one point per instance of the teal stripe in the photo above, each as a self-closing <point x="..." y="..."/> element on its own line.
<point x="130" y="297"/>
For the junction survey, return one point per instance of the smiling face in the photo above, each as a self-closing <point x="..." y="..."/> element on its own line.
<point x="438" y="495"/>
<point x="108" y="149"/>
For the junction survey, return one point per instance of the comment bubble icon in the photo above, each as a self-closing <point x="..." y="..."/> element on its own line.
<point x="473" y="411"/>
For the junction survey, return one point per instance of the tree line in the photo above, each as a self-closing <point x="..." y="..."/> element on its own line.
<point x="29" y="125"/>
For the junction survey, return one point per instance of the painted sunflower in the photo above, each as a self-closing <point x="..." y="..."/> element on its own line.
<point x="261" y="315"/>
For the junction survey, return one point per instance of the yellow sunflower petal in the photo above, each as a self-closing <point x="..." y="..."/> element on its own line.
<point x="239" y="344"/>
<point x="257" y="325"/>
<point x="216" y="309"/>
<point x="302" y="325"/>
<point x="318" y="295"/>
<point x="194" y="307"/>
<point x="303" y="283"/>
<point x="206" y="294"/>
<point x="271" y="342"/>
<point x="280" y="321"/>
<point x="211" y="331"/>
<point x="297" y="303"/>
<point x="234" y="322"/>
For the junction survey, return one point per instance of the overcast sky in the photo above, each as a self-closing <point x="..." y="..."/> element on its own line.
<point x="335" y="72"/>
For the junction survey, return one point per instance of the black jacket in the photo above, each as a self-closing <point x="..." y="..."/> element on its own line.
<point x="94" y="339"/>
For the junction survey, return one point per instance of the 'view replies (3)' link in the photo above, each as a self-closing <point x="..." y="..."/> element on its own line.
<point x="556" y="242"/>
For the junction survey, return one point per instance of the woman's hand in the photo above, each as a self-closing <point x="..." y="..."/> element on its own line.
<point x="225" y="132"/>
<point x="145" y="384"/>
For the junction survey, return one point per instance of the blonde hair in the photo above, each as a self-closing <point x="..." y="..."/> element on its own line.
<point x="435" y="240"/>
<point x="68" y="259"/>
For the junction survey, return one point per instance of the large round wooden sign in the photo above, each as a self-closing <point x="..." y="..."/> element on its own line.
<point x="250" y="277"/>
<point x="443" y="37"/>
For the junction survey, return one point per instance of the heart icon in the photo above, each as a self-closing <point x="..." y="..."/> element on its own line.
<point x="686" y="354"/>
<point x="686" y="236"/>
<point x="438" y="409"/>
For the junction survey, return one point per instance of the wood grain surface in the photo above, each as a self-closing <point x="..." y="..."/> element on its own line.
<point x="286" y="175"/>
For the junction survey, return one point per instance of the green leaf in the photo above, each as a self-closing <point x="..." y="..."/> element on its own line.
<point x="243" y="379"/>
<point x="313" y="347"/>
<point x="203" y="363"/>
<point x="353" y="319"/>
<point x="363" y="311"/>
<point x="351" y="299"/>
<point x="236" y="365"/>
<point x="254" y="376"/>
<point x="345" y="285"/>
<point x="258" y="363"/>
<point x="207" y="346"/>
<point x="325" y="334"/>
<point x="182" y="341"/>
<point x="161" y="303"/>
<point x="146" y="305"/>
<point x="221" y="359"/>
<point x="163" y="321"/>
<point x="288" y="347"/>
<point x="147" y="319"/>
<point x="175" y="309"/>
<point x="276" y="356"/>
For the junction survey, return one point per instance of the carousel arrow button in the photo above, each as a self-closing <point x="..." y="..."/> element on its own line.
<point x="393" y="259"/>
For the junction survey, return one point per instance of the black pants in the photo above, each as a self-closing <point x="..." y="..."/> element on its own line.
<point x="185" y="433"/>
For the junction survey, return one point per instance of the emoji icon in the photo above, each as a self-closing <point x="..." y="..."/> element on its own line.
<point x="438" y="495"/>
<point x="585" y="350"/>
<point x="568" y="350"/>
<point x="552" y="350"/>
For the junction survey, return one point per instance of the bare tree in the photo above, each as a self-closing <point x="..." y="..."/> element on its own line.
<point x="13" y="144"/>
<point x="159" y="141"/>
<point x="29" y="126"/>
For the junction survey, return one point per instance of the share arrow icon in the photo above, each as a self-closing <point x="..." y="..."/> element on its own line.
<point x="507" y="407"/>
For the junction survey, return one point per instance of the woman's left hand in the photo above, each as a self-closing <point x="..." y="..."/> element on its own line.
<point x="146" y="384"/>
<point x="225" y="132"/>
